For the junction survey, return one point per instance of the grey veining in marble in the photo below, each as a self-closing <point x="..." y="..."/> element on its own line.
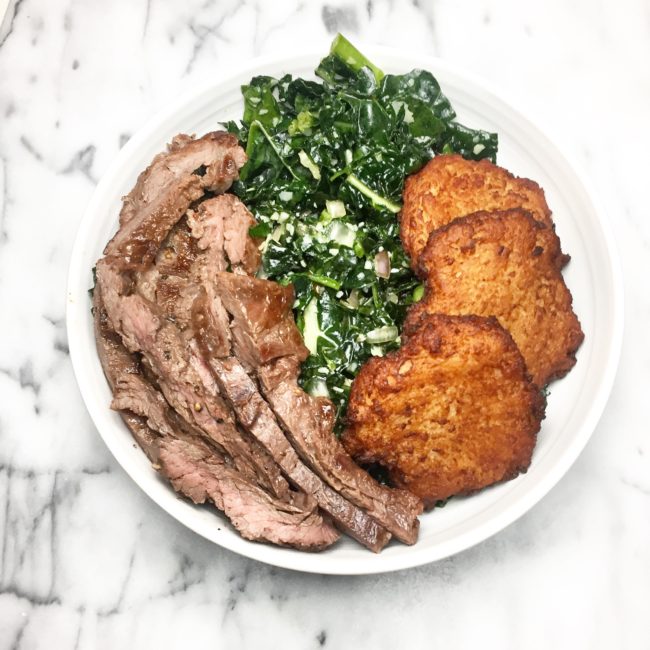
<point x="86" y="560"/>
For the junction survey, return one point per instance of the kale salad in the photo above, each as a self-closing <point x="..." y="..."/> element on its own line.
<point x="327" y="161"/>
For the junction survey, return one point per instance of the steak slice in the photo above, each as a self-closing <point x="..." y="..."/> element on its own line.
<point x="263" y="327"/>
<point x="216" y="158"/>
<point x="178" y="252"/>
<point x="308" y="422"/>
<point x="222" y="223"/>
<point x="124" y="374"/>
<point x="220" y="228"/>
<point x="169" y="188"/>
<point x="167" y="281"/>
<point x="136" y="243"/>
<point x="194" y="468"/>
<point x="255" y="415"/>
<point x="254" y="513"/>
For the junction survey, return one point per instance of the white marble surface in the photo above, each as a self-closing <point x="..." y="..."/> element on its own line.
<point x="86" y="560"/>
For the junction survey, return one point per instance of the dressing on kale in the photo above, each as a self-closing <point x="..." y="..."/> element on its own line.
<point x="326" y="167"/>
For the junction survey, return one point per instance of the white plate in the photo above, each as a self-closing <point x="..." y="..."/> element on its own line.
<point x="575" y="403"/>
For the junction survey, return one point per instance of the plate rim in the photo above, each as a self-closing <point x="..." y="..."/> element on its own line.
<point x="416" y="557"/>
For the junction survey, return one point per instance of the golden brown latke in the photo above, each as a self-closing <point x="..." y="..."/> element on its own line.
<point x="452" y="411"/>
<point x="505" y="264"/>
<point x="450" y="186"/>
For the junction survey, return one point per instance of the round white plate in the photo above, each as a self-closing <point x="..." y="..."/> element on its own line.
<point x="574" y="406"/>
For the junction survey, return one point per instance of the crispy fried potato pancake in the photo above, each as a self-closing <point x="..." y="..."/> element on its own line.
<point x="505" y="264"/>
<point x="450" y="186"/>
<point x="452" y="411"/>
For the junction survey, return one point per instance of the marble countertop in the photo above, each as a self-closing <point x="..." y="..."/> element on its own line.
<point x="86" y="559"/>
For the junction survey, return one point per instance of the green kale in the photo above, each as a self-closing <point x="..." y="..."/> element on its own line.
<point x="324" y="178"/>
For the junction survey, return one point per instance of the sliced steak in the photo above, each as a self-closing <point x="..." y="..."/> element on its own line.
<point x="242" y="250"/>
<point x="124" y="375"/>
<point x="195" y="469"/>
<point x="145" y="329"/>
<point x="263" y="305"/>
<point x="184" y="379"/>
<point x="166" y="192"/>
<point x="178" y="252"/>
<point x="255" y="415"/>
<point x="210" y="325"/>
<point x="168" y="282"/>
<point x="150" y="323"/>
<point x="308" y="422"/>
<point x="216" y="158"/>
<point x="205" y="476"/>
<point x="222" y="223"/>
<point x="215" y="219"/>
<point x="212" y="238"/>
<point x="263" y="327"/>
